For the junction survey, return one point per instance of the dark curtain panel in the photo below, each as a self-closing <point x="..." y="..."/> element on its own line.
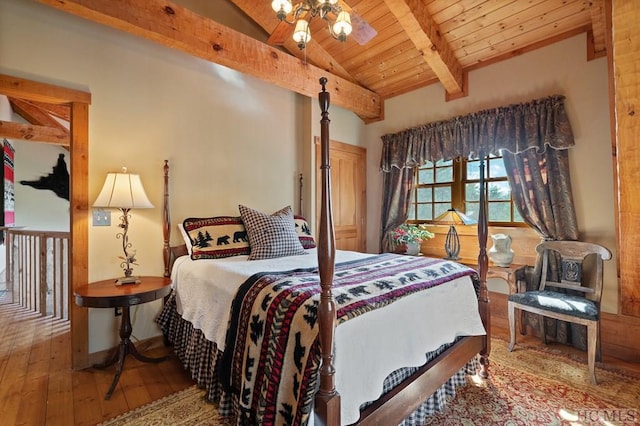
<point x="396" y="198"/>
<point x="547" y="206"/>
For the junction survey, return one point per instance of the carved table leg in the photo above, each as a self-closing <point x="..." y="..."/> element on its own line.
<point x="126" y="347"/>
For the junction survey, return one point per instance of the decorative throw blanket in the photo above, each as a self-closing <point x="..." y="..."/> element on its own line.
<point x="272" y="353"/>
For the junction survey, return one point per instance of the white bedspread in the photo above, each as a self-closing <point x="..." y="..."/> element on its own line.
<point x="399" y="334"/>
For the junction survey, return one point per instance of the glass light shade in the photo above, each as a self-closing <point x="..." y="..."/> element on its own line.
<point x="454" y="217"/>
<point x="342" y="27"/>
<point x="301" y="34"/>
<point x="281" y="5"/>
<point x="330" y="2"/>
<point x="123" y="191"/>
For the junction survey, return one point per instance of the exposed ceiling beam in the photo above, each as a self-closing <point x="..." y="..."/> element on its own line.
<point x="179" y="28"/>
<point x="598" y="28"/>
<point x="14" y="87"/>
<point x="34" y="114"/>
<point x="63" y="112"/>
<point x="33" y="133"/>
<point x="423" y="31"/>
<point x="38" y="113"/>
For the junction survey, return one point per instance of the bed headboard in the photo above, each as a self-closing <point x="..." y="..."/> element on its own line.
<point x="171" y="253"/>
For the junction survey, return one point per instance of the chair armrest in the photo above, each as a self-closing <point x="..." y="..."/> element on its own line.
<point x="521" y="277"/>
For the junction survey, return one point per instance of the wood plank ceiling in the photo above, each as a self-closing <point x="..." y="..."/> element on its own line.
<point x="421" y="42"/>
<point x="415" y="42"/>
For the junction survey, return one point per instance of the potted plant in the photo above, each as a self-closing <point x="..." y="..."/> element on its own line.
<point x="407" y="238"/>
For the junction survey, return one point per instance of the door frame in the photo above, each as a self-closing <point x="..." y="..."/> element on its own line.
<point x="79" y="102"/>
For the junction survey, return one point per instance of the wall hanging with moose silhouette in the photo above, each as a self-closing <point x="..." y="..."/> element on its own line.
<point x="56" y="181"/>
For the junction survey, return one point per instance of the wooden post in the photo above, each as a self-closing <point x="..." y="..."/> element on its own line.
<point x="42" y="273"/>
<point x="327" y="399"/>
<point x="626" y="56"/>
<point x="166" y="221"/>
<point x="483" y="263"/>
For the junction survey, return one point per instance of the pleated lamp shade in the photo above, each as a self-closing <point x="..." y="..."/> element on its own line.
<point x="123" y="191"/>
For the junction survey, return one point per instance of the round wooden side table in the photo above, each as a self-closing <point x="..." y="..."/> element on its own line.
<point x="105" y="294"/>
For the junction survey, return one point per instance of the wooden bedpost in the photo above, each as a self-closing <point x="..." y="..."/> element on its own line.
<point x="300" y="199"/>
<point x="327" y="403"/>
<point x="166" y="221"/>
<point x="483" y="263"/>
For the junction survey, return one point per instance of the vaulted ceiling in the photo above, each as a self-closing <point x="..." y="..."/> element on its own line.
<point x="397" y="45"/>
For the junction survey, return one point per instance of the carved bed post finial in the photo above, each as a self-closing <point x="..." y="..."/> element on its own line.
<point x="327" y="398"/>
<point x="323" y="83"/>
<point x="300" y="201"/>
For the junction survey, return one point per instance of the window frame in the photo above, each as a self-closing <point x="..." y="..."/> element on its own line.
<point x="458" y="196"/>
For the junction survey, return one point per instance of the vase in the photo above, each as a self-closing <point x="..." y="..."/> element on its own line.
<point x="500" y="253"/>
<point x="412" y="248"/>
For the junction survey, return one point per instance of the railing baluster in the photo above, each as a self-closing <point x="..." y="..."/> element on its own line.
<point x="42" y="273"/>
<point x="37" y="261"/>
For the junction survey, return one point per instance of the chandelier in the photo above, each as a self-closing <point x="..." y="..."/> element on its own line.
<point x="339" y="29"/>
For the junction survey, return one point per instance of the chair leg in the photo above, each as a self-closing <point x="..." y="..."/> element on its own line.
<point x="512" y="325"/>
<point x="598" y="344"/>
<point x="542" y="328"/>
<point x="592" y="341"/>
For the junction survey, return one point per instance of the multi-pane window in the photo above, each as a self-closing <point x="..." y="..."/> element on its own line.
<point x="434" y="191"/>
<point x="445" y="184"/>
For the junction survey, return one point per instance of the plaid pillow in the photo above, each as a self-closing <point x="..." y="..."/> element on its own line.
<point x="216" y="237"/>
<point x="271" y="236"/>
<point x="304" y="232"/>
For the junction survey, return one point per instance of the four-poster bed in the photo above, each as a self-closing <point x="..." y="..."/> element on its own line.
<point x="337" y="299"/>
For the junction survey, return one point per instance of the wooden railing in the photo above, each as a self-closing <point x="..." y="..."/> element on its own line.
<point x="37" y="270"/>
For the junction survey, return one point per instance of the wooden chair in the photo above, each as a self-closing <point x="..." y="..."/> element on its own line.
<point x="580" y="303"/>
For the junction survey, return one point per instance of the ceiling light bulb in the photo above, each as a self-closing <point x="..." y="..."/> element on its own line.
<point x="342" y="28"/>
<point x="281" y="7"/>
<point x="301" y="34"/>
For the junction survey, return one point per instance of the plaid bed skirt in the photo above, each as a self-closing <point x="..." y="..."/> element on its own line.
<point x="199" y="356"/>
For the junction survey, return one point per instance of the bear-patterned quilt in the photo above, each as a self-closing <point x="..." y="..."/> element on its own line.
<point x="271" y="358"/>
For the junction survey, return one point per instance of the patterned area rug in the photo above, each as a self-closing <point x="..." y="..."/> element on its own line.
<point x="184" y="408"/>
<point x="527" y="387"/>
<point x="543" y="387"/>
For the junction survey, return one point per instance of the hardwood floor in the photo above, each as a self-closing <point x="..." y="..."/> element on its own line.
<point x="38" y="387"/>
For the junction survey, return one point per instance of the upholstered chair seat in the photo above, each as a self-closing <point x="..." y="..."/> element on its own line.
<point x="577" y="306"/>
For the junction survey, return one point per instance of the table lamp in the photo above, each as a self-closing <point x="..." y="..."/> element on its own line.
<point x="124" y="191"/>
<point x="452" y="243"/>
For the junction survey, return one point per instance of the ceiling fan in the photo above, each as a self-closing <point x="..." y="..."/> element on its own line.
<point x="295" y="19"/>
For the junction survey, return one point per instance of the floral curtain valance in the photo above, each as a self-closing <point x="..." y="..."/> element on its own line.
<point x="515" y="128"/>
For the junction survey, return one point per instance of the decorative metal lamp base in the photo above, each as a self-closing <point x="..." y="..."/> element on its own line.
<point x="452" y="244"/>
<point x="127" y="280"/>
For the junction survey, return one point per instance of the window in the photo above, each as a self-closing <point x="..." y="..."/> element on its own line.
<point x="445" y="184"/>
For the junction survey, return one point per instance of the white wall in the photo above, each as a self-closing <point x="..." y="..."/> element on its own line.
<point x="558" y="69"/>
<point x="33" y="160"/>
<point x="229" y="138"/>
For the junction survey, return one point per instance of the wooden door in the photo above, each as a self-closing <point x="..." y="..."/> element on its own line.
<point x="348" y="183"/>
